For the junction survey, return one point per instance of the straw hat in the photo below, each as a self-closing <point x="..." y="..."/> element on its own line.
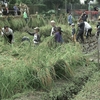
<point x="36" y="28"/>
<point x="73" y="24"/>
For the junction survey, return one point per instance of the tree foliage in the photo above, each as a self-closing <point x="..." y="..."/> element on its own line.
<point x="73" y="1"/>
<point x="49" y="3"/>
<point x="53" y="3"/>
<point x="98" y="1"/>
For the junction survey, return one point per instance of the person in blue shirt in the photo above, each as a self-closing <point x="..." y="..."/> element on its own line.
<point x="70" y="19"/>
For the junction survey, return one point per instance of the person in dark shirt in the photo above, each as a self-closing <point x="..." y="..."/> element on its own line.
<point x="98" y="27"/>
<point x="84" y="16"/>
<point x="58" y="35"/>
<point x="80" y="31"/>
<point x="96" y="14"/>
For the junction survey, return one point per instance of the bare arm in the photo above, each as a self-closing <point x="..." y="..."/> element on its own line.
<point x="30" y="33"/>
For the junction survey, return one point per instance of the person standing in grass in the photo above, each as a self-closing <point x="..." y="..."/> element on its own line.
<point x="15" y="10"/>
<point x="25" y="16"/>
<point x="35" y="34"/>
<point x="58" y="35"/>
<point x="53" y="29"/>
<point x="83" y="16"/>
<point x="80" y="31"/>
<point x="98" y="28"/>
<point x="8" y="34"/>
<point x="70" y="19"/>
<point x="73" y="33"/>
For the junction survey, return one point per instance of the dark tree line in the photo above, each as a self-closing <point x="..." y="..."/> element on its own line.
<point x="49" y="3"/>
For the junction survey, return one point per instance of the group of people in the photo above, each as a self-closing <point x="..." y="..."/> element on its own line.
<point x="82" y="27"/>
<point x="56" y="31"/>
<point x="16" y="10"/>
<point x="8" y="34"/>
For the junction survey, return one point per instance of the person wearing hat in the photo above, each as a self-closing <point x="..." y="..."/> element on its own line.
<point x="98" y="27"/>
<point x="73" y="33"/>
<point x="53" y="29"/>
<point x="36" y="39"/>
<point x="25" y="15"/>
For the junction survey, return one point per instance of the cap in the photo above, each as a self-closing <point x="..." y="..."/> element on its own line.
<point x="73" y="24"/>
<point x="52" y="21"/>
<point x="78" y="23"/>
<point x="99" y="17"/>
<point x="36" y="28"/>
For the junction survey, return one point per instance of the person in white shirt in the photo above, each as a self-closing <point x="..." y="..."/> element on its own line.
<point x="8" y="34"/>
<point x="88" y="29"/>
<point x="53" y="29"/>
<point x="36" y="35"/>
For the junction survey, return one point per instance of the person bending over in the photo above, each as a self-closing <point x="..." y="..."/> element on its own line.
<point x="87" y="29"/>
<point x="8" y="34"/>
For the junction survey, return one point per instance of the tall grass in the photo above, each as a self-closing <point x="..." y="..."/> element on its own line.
<point x="26" y="67"/>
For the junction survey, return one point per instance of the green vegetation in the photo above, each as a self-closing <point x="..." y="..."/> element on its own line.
<point x="27" y="67"/>
<point x="23" y="67"/>
<point x="66" y="90"/>
<point x="91" y="90"/>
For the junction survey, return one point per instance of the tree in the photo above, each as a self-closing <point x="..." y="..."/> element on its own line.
<point x="12" y="1"/>
<point x="73" y="1"/>
<point x="98" y="1"/>
<point x="26" y="1"/>
<point x="53" y="4"/>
